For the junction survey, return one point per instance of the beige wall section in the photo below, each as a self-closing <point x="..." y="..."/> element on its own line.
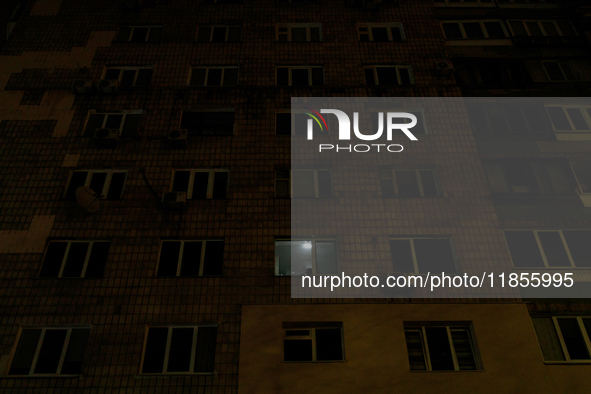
<point x="56" y="104"/>
<point x="377" y="359"/>
<point x="27" y="241"/>
<point x="46" y="7"/>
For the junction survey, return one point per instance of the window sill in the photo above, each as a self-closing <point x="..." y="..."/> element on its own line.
<point x="45" y="375"/>
<point x="173" y="374"/>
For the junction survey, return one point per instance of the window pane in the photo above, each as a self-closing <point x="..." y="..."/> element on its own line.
<point x="579" y="245"/>
<point x="283" y="257"/>
<point x="439" y="350"/>
<point x="463" y="348"/>
<point x="97" y="260"/>
<point x="387" y="76"/>
<point x="559" y="119"/>
<point x="53" y="259"/>
<point x="303" y="184"/>
<point x="191" y="258"/>
<point x="282" y="76"/>
<point x="78" y="179"/>
<point x="169" y="258"/>
<point x="219" y="34"/>
<point x="326" y="258"/>
<point x="214" y="77"/>
<point x="301" y="258"/>
<point x="155" y="348"/>
<point x="566" y="28"/>
<point x="139" y="34"/>
<point x="128" y="78"/>
<point x="518" y="28"/>
<point x="51" y="351"/>
<point x="155" y="34"/>
<point x="577" y="118"/>
<point x="112" y="73"/>
<point x="113" y="121"/>
<point x="205" y="352"/>
<point x="75" y="353"/>
<point x="573" y="339"/>
<point x="230" y="76"/>
<point x="329" y="345"/>
<point x="204" y="34"/>
<point x="554" y="249"/>
<point x="315" y="34"/>
<point x="25" y="352"/>
<point x="97" y="183"/>
<point x="414" y="345"/>
<point x="380" y="34"/>
<point x="407" y="184"/>
<point x="428" y="181"/>
<point x="524" y="249"/>
<point x="220" y="185"/>
<point x="180" y="182"/>
<point x="494" y="30"/>
<point x="369" y="77"/>
<point x="452" y="31"/>
<point x="75" y="260"/>
<point x="124" y="34"/>
<point x="200" y="184"/>
<point x="317" y="76"/>
<point x="550" y="29"/>
<point x="473" y="30"/>
<point x="214" y="258"/>
<point x="534" y="29"/>
<point x="434" y="255"/>
<point x="582" y="171"/>
<point x="404" y="76"/>
<point x="324" y="184"/>
<point x="181" y="344"/>
<point x="401" y="254"/>
<point x="298" y="34"/>
<point x="549" y="342"/>
<point x="396" y="34"/>
<point x="95" y="121"/>
<point x="300" y="350"/>
<point x="299" y="77"/>
<point x="554" y="71"/>
<point x="198" y="77"/>
<point x="283" y="123"/>
<point x="116" y="185"/>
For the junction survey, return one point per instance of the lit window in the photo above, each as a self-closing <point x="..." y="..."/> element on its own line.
<point x="305" y="257"/>
<point x="50" y="351"/>
<point x="180" y="349"/>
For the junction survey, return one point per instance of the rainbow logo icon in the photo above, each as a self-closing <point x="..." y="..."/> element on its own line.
<point x="315" y="116"/>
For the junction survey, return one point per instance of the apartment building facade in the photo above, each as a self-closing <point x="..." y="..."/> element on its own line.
<point x="147" y="196"/>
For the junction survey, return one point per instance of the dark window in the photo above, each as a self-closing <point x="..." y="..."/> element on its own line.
<point x="219" y="34"/>
<point x="191" y="258"/>
<point x="422" y="255"/>
<point x="75" y="259"/>
<point x="130" y="76"/>
<point x="283" y="123"/>
<point x="107" y="184"/>
<point x="388" y="75"/>
<point x="435" y="348"/>
<point x="300" y="76"/>
<point x="214" y="76"/>
<point x="564" y="338"/>
<point x="201" y="184"/>
<point x="127" y="123"/>
<point x="313" y="341"/>
<point x="491" y="74"/>
<point x="180" y="349"/>
<point x="40" y="351"/>
<point x="408" y="183"/>
<point x="570" y="118"/>
<point x="582" y="171"/>
<point x="208" y="123"/>
<point x="312" y="184"/>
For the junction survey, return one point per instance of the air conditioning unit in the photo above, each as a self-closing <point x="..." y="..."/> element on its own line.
<point x="178" y="138"/>
<point x="106" y="137"/>
<point x="176" y="201"/>
<point x="108" y="86"/>
<point x="444" y="67"/>
<point x="83" y="86"/>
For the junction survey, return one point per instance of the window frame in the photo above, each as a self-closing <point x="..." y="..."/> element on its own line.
<point x="213" y="27"/>
<point x="315" y="180"/>
<point x="179" y="264"/>
<point x="414" y="254"/>
<point x="540" y="22"/>
<point x="481" y="22"/>
<point x="311" y="336"/>
<point x="207" y="69"/>
<point x="106" y="186"/>
<point x="388" y="26"/>
<point x="290" y="26"/>
<point x="313" y="242"/>
<point x="127" y="68"/>
<point x="421" y="328"/>
<point x="563" y="347"/>
<point x="65" y="257"/>
<point x="397" y="67"/>
<point x="579" y="186"/>
<point x="210" y="181"/>
<point x="65" y="346"/>
<point x="560" y="65"/>
<point x="167" y="349"/>
<point x="418" y="178"/>
<point x="541" y="249"/>
<point x="132" y="29"/>
<point x="290" y="79"/>
<point x="585" y="112"/>
<point x="122" y="113"/>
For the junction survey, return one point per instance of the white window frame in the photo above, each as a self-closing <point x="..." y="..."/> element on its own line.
<point x="541" y="250"/>
<point x="227" y="27"/>
<point x="563" y="343"/>
<point x="126" y="68"/>
<point x="585" y="112"/>
<point x="167" y="350"/>
<point x="105" y="192"/>
<point x="415" y="263"/>
<point x="182" y="251"/>
<point x="397" y="68"/>
<point x="572" y="163"/>
<point x="417" y="172"/>
<point x="315" y="175"/>
<point x="482" y="28"/>
<point x="66" y="253"/>
<point x="290" y="26"/>
<point x="207" y="68"/>
<point x="289" y="70"/>
<point x="310" y="240"/>
<point x="38" y="349"/>
<point x="114" y="113"/>
<point x="540" y="25"/>
<point x="312" y="337"/>
<point x="425" y="344"/>
<point x="560" y="66"/>
<point x="150" y="27"/>
<point x="388" y="26"/>
<point x="210" y="180"/>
